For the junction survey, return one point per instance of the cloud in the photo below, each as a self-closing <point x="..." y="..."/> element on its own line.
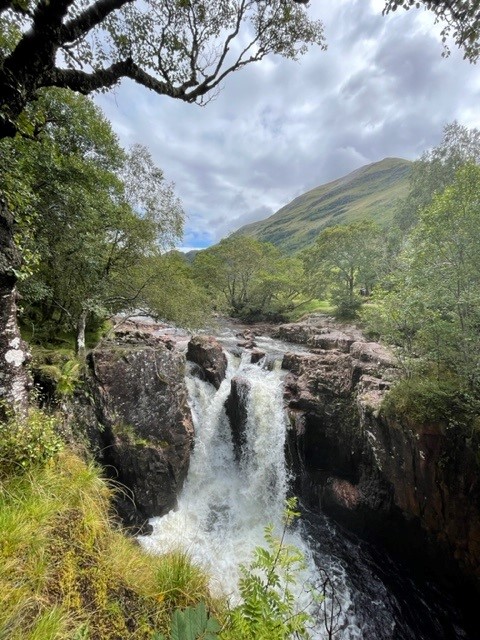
<point x="279" y="128"/>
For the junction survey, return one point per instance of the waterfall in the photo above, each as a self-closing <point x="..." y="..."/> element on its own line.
<point x="225" y="505"/>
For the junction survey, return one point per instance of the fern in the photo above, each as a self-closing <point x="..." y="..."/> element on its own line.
<point x="268" y="608"/>
<point x="192" y="623"/>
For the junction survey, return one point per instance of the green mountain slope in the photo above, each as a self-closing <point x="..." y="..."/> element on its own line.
<point x="369" y="192"/>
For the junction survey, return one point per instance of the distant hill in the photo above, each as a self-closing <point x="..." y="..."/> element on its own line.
<point x="368" y="192"/>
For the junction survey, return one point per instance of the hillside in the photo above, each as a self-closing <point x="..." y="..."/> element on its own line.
<point x="370" y="191"/>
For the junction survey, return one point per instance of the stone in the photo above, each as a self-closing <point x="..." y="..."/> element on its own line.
<point x="415" y="488"/>
<point x="236" y="410"/>
<point x="332" y="340"/>
<point x="257" y="355"/>
<point x="140" y="400"/>
<point x="208" y="353"/>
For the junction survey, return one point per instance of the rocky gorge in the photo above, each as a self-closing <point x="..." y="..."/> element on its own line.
<point x="410" y="488"/>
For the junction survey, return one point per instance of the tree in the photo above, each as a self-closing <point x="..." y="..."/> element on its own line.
<point x="249" y="278"/>
<point x="345" y="259"/>
<point x="432" y="311"/>
<point x="183" y="49"/>
<point x="163" y="286"/>
<point x="460" y="17"/>
<point x="94" y="213"/>
<point x="436" y="169"/>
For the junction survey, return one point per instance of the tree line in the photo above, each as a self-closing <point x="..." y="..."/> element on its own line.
<point x="180" y="49"/>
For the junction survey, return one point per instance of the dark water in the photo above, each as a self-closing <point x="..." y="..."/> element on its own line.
<point x="390" y="601"/>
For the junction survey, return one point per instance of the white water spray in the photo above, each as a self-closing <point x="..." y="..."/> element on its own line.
<point x="225" y="506"/>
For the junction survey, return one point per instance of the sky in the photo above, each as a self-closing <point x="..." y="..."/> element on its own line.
<point x="279" y="128"/>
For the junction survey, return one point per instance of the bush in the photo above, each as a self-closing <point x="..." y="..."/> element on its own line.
<point x="346" y="306"/>
<point x="268" y="610"/>
<point x="28" y="442"/>
<point x="424" y="398"/>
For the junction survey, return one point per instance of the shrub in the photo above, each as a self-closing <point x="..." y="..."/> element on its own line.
<point x="425" y="398"/>
<point x="268" y="609"/>
<point x="346" y="306"/>
<point x="27" y="442"/>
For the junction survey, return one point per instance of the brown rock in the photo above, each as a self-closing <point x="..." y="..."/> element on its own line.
<point x="141" y="401"/>
<point x="332" y="340"/>
<point x="236" y="409"/>
<point x="409" y="485"/>
<point x="209" y="355"/>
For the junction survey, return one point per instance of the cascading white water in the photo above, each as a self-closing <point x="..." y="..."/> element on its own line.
<point x="225" y="506"/>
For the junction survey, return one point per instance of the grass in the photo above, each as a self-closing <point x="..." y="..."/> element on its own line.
<point x="67" y="572"/>
<point x="312" y="306"/>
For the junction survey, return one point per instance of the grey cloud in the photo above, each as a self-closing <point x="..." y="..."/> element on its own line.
<point x="280" y="128"/>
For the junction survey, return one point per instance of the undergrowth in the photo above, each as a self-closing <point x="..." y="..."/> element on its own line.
<point x="66" y="572"/>
<point x="425" y="398"/>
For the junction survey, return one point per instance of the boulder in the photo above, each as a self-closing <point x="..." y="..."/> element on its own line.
<point x="297" y="332"/>
<point x="140" y="399"/>
<point x="208" y="353"/>
<point x="236" y="410"/>
<point x="257" y="355"/>
<point x="332" y="340"/>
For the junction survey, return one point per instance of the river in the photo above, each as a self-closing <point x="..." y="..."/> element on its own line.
<point x="225" y="506"/>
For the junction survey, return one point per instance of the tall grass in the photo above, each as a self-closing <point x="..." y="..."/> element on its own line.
<point x="66" y="571"/>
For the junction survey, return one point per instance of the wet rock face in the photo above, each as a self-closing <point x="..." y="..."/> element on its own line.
<point x="208" y="354"/>
<point x="141" y="402"/>
<point x="414" y="487"/>
<point x="236" y="410"/>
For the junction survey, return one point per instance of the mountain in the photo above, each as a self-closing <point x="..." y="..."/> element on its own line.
<point x="368" y="192"/>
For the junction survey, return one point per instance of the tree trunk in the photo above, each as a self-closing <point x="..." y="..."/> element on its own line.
<point x="14" y="378"/>
<point x="81" y="325"/>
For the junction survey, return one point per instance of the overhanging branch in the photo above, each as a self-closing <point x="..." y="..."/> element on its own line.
<point x="85" y="83"/>
<point x="89" y="18"/>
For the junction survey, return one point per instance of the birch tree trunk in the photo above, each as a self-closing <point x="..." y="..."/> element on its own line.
<point x="14" y="378"/>
<point x="81" y="325"/>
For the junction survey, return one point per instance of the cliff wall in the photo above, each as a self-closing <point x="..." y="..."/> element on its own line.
<point x="413" y="487"/>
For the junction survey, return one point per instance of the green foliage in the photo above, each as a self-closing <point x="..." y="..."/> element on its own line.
<point x="191" y="54"/>
<point x="346" y="305"/>
<point x="164" y="287"/>
<point x="192" y="623"/>
<point x="268" y="610"/>
<point x="93" y="220"/>
<point x="460" y="18"/>
<point x="436" y="170"/>
<point x="181" y="582"/>
<point x="66" y="571"/>
<point x="250" y="279"/>
<point x="344" y="259"/>
<point x="66" y="377"/>
<point x="425" y="398"/>
<point x="28" y="442"/>
<point x="430" y="307"/>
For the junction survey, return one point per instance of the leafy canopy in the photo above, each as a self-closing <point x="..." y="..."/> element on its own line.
<point x="249" y="278"/>
<point x="344" y="259"/>
<point x="183" y="49"/>
<point x="95" y="221"/>
<point x="461" y="20"/>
